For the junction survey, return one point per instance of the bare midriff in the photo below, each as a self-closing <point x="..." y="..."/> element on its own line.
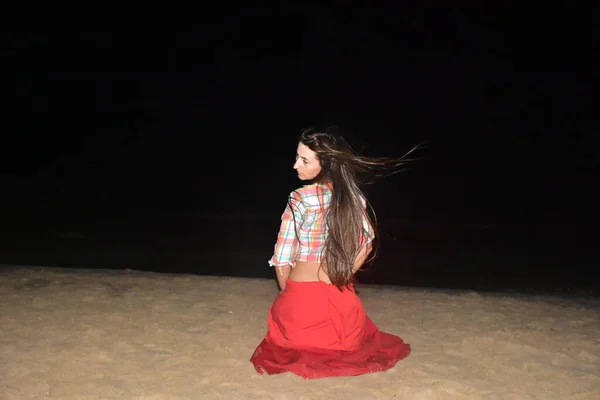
<point x="309" y="272"/>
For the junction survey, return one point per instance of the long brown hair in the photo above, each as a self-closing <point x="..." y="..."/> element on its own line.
<point x="345" y="172"/>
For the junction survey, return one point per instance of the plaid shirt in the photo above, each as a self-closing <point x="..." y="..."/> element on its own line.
<point x="306" y="211"/>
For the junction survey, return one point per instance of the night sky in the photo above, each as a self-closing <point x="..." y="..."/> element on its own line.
<point x="167" y="146"/>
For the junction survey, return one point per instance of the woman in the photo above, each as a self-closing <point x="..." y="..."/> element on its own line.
<point x="317" y="326"/>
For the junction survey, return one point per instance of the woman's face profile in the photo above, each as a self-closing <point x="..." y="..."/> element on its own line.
<point x="307" y="164"/>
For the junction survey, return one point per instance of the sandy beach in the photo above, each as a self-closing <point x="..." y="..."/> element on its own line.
<point x="97" y="334"/>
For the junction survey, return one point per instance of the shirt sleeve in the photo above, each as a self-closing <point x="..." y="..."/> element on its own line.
<point x="286" y="247"/>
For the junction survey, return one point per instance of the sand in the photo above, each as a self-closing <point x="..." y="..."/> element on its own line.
<point x="91" y="334"/>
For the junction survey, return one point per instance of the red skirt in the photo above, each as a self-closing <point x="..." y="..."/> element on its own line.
<point x="316" y="331"/>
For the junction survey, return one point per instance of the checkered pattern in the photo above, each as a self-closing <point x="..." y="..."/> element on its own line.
<point x="303" y="231"/>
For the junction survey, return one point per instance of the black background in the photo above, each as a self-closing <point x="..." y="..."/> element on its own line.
<point x="167" y="145"/>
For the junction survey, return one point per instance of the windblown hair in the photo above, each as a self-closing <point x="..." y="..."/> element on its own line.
<point x="345" y="172"/>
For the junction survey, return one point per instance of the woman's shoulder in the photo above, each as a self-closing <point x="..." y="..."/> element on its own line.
<point x="312" y="194"/>
<point x="312" y="190"/>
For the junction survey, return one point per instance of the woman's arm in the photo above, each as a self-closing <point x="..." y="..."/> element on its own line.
<point x="369" y="235"/>
<point x="283" y="273"/>
<point x="286" y="247"/>
<point x="362" y="256"/>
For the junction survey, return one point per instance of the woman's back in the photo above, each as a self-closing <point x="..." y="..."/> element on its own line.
<point x="304" y="233"/>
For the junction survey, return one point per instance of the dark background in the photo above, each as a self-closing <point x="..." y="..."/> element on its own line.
<point x="167" y="145"/>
